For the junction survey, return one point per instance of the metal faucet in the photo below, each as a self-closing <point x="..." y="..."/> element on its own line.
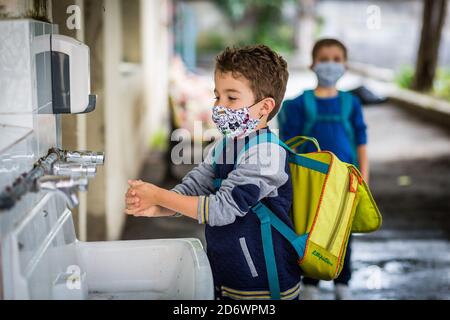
<point x="65" y="186"/>
<point x="89" y="157"/>
<point x="73" y="169"/>
<point x="70" y="170"/>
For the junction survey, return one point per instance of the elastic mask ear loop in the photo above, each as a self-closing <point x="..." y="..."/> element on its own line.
<point x="256" y="104"/>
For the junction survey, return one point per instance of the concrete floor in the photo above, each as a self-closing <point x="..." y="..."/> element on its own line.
<point x="409" y="258"/>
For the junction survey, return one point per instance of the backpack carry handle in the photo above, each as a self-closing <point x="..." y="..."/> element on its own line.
<point x="297" y="141"/>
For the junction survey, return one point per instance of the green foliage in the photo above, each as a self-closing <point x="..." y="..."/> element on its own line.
<point x="236" y="9"/>
<point x="159" y="140"/>
<point x="233" y="9"/>
<point x="256" y="22"/>
<point x="404" y="77"/>
<point x="212" y="41"/>
<point x="442" y="83"/>
<point x="320" y="22"/>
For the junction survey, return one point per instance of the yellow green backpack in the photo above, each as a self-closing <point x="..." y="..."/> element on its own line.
<point x="330" y="201"/>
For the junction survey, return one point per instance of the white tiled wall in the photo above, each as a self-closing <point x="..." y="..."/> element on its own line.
<point x="26" y="134"/>
<point x="15" y="66"/>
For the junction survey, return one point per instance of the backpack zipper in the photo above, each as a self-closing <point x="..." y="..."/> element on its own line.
<point x="342" y="207"/>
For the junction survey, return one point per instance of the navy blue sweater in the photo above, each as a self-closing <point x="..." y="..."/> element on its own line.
<point x="233" y="233"/>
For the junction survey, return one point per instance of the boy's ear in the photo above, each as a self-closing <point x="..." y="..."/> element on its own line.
<point x="268" y="105"/>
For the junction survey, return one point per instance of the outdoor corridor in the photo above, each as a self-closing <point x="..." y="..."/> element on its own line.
<point x="96" y="94"/>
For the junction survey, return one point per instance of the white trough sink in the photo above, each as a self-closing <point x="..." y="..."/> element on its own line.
<point x="146" y="269"/>
<point x="42" y="259"/>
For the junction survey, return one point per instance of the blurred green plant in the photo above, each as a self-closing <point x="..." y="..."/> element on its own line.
<point x="320" y="22"/>
<point x="404" y="77"/>
<point x="211" y="41"/>
<point x="159" y="140"/>
<point x="258" y="22"/>
<point x="441" y="85"/>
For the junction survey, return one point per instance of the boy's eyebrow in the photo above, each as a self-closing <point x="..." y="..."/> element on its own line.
<point x="228" y="90"/>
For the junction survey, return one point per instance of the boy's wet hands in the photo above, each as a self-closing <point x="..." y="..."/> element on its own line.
<point x="153" y="211"/>
<point x="140" y="199"/>
<point x="131" y="200"/>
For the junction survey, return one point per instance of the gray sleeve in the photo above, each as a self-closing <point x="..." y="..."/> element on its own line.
<point x="198" y="181"/>
<point x="259" y="174"/>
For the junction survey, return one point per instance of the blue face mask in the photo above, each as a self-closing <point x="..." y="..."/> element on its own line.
<point x="328" y="73"/>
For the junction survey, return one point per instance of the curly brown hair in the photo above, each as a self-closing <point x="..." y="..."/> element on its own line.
<point x="261" y="66"/>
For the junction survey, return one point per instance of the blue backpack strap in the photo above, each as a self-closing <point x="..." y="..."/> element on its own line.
<point x="282" y="116"/>
<point x="346" y="112"/>
<point x="310" y="114"/>
<point x="329" y="118"/>
<point x="310" y="107"/>
<point x="217" y="183"/>
<point x="298" y="242"/>
<point x="293" y="156"/>
<point x="264" y="137"/>
<point x="269" y="254"/>
<point x="263" y="215"/>
<point x="269" y="219"/>
<point x="216" y="154"/>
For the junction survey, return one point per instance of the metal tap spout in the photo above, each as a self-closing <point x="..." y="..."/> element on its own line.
<point x="65" y="186"/>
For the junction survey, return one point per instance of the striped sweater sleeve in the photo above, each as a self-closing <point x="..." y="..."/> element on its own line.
<point x="198" y="181"/>
<point x="259" y="174"/>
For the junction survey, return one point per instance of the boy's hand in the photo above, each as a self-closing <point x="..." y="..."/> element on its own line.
<point x="140" y="201"/>
<point x="132" y="201"/>
<point x="153" y="211"/>
<point x="144" y="199"/>
<point x="140" y="195"/>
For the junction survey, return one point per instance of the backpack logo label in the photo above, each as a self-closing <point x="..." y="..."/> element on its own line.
<point x="322" y="258"/>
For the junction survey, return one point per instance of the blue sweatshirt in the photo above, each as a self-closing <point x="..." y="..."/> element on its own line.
<point x="330" y="135"/>
<point x="233" y="233"/>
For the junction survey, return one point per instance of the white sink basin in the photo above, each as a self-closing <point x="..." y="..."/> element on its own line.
<point x="146" y="269"/>
<point x="42" y="259"/>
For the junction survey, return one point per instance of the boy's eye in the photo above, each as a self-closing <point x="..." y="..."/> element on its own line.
<point x="231" y="98"/>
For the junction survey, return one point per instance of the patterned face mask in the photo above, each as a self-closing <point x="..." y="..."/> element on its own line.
<point x="234" y="122"/>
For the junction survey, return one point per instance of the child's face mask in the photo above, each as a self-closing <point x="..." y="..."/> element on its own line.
<point x="328" y="73"/>
<point x="234" y="122"/>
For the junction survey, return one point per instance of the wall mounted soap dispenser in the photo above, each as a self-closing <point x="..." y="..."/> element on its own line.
<point x="70" y="73"/>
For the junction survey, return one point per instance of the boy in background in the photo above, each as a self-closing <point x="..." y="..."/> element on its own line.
<point x="336" y="120"/>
